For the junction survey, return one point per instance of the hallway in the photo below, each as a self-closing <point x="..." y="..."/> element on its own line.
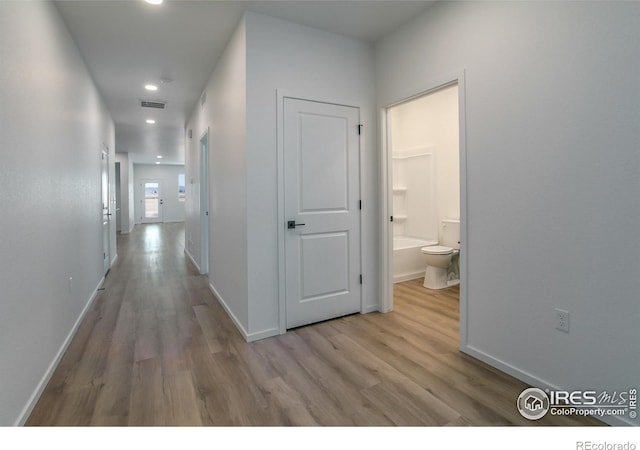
<point x="156" y="348"/>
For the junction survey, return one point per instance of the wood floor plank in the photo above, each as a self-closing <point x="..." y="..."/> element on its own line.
<point x="156" y="348"/>
<point x="320" y="406"/>
<point x="344" y="392"/>
<point x="146" y="400"/>
<point x="369" y="355"/>
<point x="181" y="400"/>
<point x="113" y="400"/>
<point x="294" y="406"/>
<point x="207" y="325"/>
<point x="343" y="365"/>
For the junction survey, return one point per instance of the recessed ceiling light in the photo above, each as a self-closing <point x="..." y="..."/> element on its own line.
<point x="158" y="162"/>
<point x="151" y="87"/>
<point x="154" y="2"/>
<point x="159" y="156"/>
<point x="151" y="121"/>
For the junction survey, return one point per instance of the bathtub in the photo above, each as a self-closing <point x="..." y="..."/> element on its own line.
<point x="408" y="260"/>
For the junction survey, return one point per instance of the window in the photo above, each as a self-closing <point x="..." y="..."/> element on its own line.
<point x="181" y="188"/>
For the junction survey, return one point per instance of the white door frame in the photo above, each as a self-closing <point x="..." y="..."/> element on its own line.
<point x="106" y="207"/>
<point x="204" y="202"/>
<point x="280" y="96"/>
<point x="385" y="198"/>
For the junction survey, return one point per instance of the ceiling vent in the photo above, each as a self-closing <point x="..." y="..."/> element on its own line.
<point x="152" y="104"/>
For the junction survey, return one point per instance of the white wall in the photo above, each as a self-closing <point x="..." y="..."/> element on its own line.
<point x="552" y="171"/>
<point x="167" y="175"/>
<point x="429" y="122"/>
<point x="127" y="203"/>
<point x="224" y="114"/>
<point x="52" y="127"/>
<point x="318" y="66"/>
<point x="241" y="112"/>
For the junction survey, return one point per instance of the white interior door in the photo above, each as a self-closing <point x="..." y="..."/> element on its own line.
<point x="151" y="201"/>
<point x="322" y="211"/>
<point x="106" y="213"/>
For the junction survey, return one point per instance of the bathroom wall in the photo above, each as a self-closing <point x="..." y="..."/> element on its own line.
<point x="552" y="178"/>
<point x="53" y="126"/>
<point x="428" y="124"/>
<point x="167" y="175"/>
<point x="414" y="194"/>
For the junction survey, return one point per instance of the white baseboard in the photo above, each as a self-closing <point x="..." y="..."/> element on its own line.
<point x="408" y="276"/>
<point x="129" y="230"/>
<point x="26" y="411"/>
<point x="531" y="380"/>
<point x="369" y="309"/>
<point x="233" y="317"/>
<point x="263" y="334"/>
<point x="192" y="259"/>
<point x="113" y="260"/>
<point x="249" y="337"/>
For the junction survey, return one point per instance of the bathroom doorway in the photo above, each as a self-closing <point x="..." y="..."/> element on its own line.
<point x="425" y="185"/>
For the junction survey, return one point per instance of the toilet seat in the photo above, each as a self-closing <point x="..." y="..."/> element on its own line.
<point x="437" y="250"/>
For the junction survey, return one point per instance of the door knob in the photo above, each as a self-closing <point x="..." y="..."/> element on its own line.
<point x="292" y="224"/>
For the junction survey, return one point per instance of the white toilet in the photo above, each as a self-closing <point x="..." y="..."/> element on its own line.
<point x="438" y="257"/>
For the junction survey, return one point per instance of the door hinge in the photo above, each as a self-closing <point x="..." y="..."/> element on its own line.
<point x="360" y="278"/>
<point x="360" y="204"/>
<point x="104" y="255"/>
<point x="391" y="219"/>
<point x="360" y="128"/>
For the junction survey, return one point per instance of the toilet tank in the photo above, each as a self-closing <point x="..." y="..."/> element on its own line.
<point x="450" y="233"/>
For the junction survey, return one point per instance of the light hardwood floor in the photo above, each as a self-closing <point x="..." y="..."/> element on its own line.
<point x="156" y="348"/>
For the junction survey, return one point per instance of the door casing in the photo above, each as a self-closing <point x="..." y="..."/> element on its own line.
<point x="106" y="210"/>
<point x="204" y="202"/>
<point x="385" y="198"/>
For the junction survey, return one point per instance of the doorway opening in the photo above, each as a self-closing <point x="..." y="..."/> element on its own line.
<point x="424" y="202"/>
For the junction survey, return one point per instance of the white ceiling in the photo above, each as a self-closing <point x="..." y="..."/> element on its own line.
<point x="127" y="44"/>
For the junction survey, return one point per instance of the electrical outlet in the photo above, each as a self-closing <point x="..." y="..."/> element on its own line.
<point x="562" y="320"/>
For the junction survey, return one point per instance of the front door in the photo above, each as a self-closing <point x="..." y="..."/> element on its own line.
<point x="151" y="202"/>
<point x="322" y="212"/>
